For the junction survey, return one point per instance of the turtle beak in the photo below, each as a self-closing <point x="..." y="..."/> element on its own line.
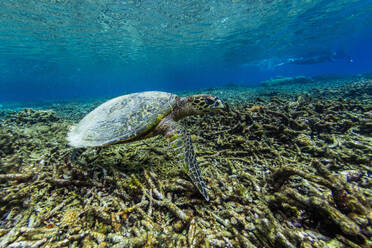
<point x="219" y="105"/>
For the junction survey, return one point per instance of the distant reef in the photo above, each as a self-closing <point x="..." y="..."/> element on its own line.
<point x="286" y="81"/>
<point x="281" y="81"/>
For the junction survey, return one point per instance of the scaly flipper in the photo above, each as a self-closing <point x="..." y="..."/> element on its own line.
<point x="180" y="141"/>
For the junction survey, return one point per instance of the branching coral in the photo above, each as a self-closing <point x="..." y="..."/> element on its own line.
<point x="282" y="171"/>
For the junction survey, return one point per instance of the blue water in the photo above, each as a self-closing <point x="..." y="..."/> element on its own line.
<point x="63" y="49"/>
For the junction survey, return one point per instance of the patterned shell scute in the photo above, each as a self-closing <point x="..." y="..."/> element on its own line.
<point x="122" y="118"/>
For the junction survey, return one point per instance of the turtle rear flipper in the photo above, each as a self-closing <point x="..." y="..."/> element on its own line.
<point x="180" y="141"/>
<point x="75" y="155"/>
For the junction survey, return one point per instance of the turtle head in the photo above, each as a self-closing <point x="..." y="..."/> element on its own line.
<point x="195" y="105"/>
<point x="204" y="103"/>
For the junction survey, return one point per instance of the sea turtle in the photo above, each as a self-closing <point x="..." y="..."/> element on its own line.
<point x="142" y="115"/>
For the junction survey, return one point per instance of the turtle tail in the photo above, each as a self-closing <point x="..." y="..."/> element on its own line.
<point x="180" y="141"/>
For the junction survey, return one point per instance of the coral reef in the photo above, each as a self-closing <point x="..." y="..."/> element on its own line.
<point x="278" y="81"/>
<point x="30" y="116"/>
<point x="284" y="169"/>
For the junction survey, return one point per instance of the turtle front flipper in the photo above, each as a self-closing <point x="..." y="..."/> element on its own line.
<point x="180" y="141"/>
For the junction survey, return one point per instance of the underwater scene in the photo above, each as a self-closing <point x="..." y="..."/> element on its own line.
<point x="186" y="123"/>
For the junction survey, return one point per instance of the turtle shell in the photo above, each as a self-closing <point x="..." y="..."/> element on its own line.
<point x="122" y="119"/>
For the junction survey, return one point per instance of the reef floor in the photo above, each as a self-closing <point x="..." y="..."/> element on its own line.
<point x="288" y="165"/>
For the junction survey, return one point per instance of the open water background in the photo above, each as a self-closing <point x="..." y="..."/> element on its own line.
<point x="65" y="49"/>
